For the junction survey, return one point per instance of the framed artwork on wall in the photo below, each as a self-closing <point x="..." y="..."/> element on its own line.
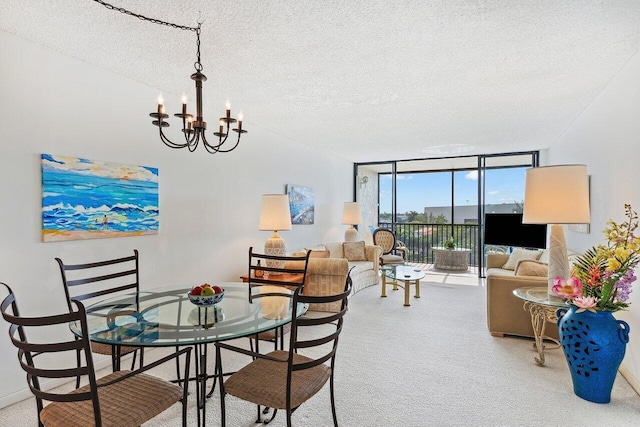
<point x="301" y="204"/>
<point x="87" y="199"/>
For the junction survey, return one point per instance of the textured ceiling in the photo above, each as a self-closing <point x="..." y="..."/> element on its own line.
<point x="364" y="80"/>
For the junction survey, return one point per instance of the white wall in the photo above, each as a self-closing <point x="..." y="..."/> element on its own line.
<point x="605" y="138"/>
<point x="209" y="204"/>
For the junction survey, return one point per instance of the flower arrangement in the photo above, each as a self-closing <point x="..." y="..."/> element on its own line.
<point x="601" y="278"/>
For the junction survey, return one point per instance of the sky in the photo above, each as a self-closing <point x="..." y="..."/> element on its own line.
<point x="418" y="190"/>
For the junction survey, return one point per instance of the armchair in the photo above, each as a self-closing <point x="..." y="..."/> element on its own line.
<point x="391" y="247"/>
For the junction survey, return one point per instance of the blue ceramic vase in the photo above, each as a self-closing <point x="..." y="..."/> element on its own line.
<point x="594" y="345"/>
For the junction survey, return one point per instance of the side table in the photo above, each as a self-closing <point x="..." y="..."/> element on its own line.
<point x="542" y="308"/>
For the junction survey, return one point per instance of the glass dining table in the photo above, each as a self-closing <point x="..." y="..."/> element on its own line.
<point x="165" y="317"/>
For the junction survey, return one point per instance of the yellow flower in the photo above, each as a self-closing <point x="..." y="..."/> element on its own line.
<point x="614" y="264"/>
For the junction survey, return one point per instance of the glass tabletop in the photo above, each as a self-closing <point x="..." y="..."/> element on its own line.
<point x="539" y="295"/>
<point x="402" y="272"/>
<point x="166" y="316"/>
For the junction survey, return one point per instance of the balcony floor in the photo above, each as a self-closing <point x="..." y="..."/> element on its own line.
<point x="468" y="278"/>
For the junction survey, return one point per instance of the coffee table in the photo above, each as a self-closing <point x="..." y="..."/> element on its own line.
<point x="542" y="308"/>
<point x="407" y="274"/>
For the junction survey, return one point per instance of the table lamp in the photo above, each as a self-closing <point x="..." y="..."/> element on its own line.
<point x="351" y="216"/>
<point x="275" y="216"/>
<point x="557" y="195"/>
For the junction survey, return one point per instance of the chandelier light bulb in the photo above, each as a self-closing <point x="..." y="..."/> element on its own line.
<point x="184" y="98"/>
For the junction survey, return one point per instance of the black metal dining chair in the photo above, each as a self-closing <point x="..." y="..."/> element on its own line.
<point x="275" y="270"/>
<point x="286" y="379"/>
<point x="122" y="398"/>
<point x="90" y="281"/>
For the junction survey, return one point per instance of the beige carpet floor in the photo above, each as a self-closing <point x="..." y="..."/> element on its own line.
<point x="431" y="364"/>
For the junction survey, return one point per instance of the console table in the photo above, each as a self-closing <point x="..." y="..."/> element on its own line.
<point x="451" y="259"/>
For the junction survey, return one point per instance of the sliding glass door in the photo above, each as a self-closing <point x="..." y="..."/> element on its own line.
<point x="429" y="201"/>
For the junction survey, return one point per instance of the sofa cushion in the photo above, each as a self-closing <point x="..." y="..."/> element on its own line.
<point x="354" y="251"/>
<point x="530" y="267"/>
<point x="498" y="272"/>
<point x="359" y="267"/>
<point x="520" y="254"/>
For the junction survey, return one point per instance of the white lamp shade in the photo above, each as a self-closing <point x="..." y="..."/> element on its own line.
<point x="557" y="195"/>
<point x="351" y="213"/>
<point x="275" y="214"/>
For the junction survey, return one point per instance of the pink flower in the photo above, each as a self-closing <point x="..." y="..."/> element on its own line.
<point x="568" y="289"/>
<point x="585" y="303"/>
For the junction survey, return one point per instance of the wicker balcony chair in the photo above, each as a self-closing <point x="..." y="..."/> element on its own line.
<point x="391" y="247"/>
<point x="286" y="379"/>
<point x="88" y="282"/>
<point x="123" y="398"/>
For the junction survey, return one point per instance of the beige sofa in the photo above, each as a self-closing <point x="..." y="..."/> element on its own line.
<point x="505" y="312"/>
<point x="328" y="268"/>
<point x="363" y="273"/>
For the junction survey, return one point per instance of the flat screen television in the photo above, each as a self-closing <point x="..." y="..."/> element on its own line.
<point x="507" y="229"/>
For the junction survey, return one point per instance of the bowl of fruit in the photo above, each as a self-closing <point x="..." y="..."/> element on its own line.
<point x="206" y="295"/>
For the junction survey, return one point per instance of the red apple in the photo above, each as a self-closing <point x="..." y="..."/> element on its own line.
<point x="217" y="289"/>
<point x="196" y="290"/>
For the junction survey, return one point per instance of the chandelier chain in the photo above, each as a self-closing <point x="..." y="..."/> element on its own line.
<point x="152" y="20"/>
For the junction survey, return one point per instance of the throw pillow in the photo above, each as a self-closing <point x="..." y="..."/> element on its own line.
<point x="354" y="251"/>
<point x="319" y="254"/>
<point x="520" y="254"/>
<point x="530" y="267"/>
<point x="295" y="264"/>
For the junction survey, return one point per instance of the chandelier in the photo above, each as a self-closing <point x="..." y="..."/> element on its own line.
<point x="192" y="128"/>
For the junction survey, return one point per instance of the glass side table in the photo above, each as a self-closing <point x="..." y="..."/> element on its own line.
<point x="542" y="308"/>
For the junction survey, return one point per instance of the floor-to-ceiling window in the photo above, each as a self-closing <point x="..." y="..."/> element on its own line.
<point x="429" y="201"/>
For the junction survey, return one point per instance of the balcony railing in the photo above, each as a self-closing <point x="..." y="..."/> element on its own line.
<point x="421" y="238"/>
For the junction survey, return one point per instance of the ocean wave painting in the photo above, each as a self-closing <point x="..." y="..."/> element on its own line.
<point x="86" y="199"/>
<point x="301" y="204"/>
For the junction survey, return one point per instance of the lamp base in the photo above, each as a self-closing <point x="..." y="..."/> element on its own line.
<point x="275" y="245"/>
<point x="558" y="259"/>
<point x="351" y="234"/>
